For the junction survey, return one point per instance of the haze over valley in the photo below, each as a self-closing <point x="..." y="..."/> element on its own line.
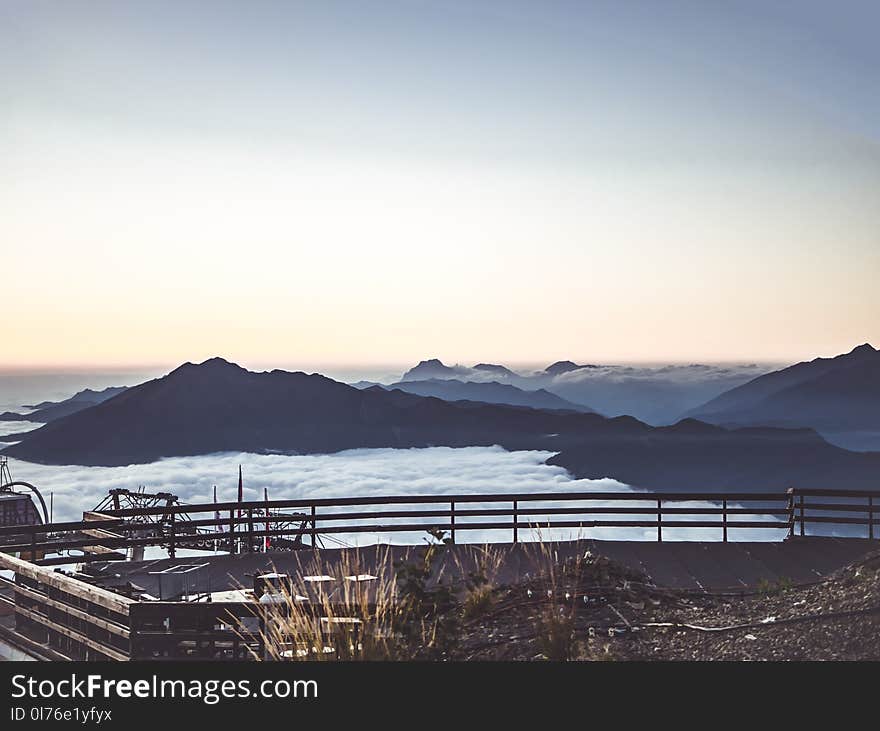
<point x="219" y="407"/>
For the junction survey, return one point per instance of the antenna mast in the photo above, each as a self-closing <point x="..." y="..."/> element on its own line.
<point x="5" y="474"/>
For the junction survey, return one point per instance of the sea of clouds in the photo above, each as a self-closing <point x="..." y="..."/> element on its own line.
<point x="16" y="427"/>
<point x="364" y="472"/>
<point x="680" y="374"/>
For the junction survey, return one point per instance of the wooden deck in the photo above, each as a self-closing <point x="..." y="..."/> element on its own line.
<point x="680" y="565"/>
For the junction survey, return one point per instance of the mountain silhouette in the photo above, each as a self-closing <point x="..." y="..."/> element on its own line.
<point x="693" y="456"/>
<point x="218" y="406"/>
<point x="492" y="392"/>
<point x="564" y="366"/>
<point x="432" y="368"/>
<point x="831" y="394"/>
<point x="47" y="411"/>
<point x="656" y="395"/>
<point x="495" y="369"/>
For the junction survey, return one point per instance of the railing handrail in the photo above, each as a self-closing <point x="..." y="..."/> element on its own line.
<point x="446" y="498"/>
<point x="251" y="515"/>
<point x="797" y="491"/>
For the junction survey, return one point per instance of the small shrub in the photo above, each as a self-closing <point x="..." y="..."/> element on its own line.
<point x="481" y="581"/>
<point x="423" y="615"/>
<point x="774" y="588"/>
<point x="478" y="601"/>
<point x="556" y="635"/>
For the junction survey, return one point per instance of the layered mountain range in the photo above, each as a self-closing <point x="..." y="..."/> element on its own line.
<point x="46" y="411"/>
<point x="218" y="406"/>
<point x="654" y="394"/>
<point x="839" y="397"/>
<point x="491" y="392"/>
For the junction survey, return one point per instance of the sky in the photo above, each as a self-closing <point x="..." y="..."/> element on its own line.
<point x="368" y="182"/>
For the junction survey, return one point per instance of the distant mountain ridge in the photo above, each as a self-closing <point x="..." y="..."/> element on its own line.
<point x="496" y="369"/>
<point x="693" y="457"/>
<point x="564" y="366"/>
<point x="656" y="395"/>
<point x="432" y="368"/>
<point x="492" y="392"/>
<point x="834" y="394"/>
<point x="217" y="406"/>
<point x="47" y="411"/>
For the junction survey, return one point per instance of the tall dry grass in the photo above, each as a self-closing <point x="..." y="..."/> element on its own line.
<point x="416" y="608"/>
<point x="404" y="611"/>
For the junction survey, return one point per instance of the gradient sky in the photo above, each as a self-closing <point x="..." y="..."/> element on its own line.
<point x="375" y="182"/>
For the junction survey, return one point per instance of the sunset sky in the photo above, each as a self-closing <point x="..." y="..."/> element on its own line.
<point x="379" y="182"/>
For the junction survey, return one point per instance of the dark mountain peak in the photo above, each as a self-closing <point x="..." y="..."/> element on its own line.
<point x="362" y="385"/>
<point x="86" y="396"/>
<point x="431" y="368"/>
<point x="494" y="368"/>
<point x="564" y="366"/>
<point x="834" y="395"/>
<point x="218" y="362"/>
<point x="543" y="392"/>
<point x="863" y="349"/>
<point x="692" y="426"/>
<point x="211" y="365"/>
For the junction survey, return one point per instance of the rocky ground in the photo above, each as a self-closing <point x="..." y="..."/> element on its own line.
<point x="595" y="609"/>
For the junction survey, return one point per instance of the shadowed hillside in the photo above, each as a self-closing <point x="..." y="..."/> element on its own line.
<point x="50" y="410"/>
<point x="839" y="396"/>
<point x="491" y="393"/>
<point x="218" y="406"/>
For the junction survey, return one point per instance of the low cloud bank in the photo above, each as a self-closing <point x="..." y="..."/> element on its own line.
<point x="17" y="427"/>
<point x="678" y="374"/>
<point x="364" y="472"/>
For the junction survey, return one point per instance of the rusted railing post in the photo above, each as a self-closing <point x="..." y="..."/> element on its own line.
<point x="516" y="521"/>
<point x="790" y="492"/>
<point x="314" y="511"/>
<point x="724" y="518"/>
<point x="452" y="521"/>
<point x="801" y="504"/>
<point x="659" y="521"/>
<point x="172" y="548"/>
<point x="250" y="530"/>
<point x="232" y="531"/>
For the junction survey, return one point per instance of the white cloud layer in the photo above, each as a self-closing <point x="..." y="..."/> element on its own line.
<point x="678" y="374"/>
<point x="364" y="472"/>
<point x="17" y="427"/>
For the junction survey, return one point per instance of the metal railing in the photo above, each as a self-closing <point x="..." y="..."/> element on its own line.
<point x="244" y="526"/>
